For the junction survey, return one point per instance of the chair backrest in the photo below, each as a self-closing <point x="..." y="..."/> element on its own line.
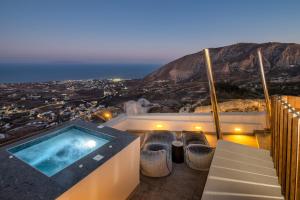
<point x="194" y="137"/>
<point x="160" y="137"/>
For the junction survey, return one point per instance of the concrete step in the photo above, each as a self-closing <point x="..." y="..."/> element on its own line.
<point x="246" y="189"/>
<point x="241" y="166"/>
<point x="226" y="196"/>
<point x="239" y="172"/>
<point x="242" y="176"/>
<point x="246" y="158"/>
<point x="242" y="149"/>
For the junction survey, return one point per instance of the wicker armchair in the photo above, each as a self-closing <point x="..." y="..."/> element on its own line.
<point x="198" y="154"/>
<point x="156" y="155"/>
<point x="156" y="160"/>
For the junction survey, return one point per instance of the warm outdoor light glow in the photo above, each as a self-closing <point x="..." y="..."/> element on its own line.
<point x="90" y="143"/>
<point x="198" y="128"/>
<point x="159" y="125"/>
<point x="237" y="129"/>
<point x="107" y="115"/>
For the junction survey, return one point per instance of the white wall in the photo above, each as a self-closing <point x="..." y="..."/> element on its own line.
<point x="247" y="122"/>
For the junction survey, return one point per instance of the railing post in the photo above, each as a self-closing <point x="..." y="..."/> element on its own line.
<point x="291" y="116"/>
<point x="295" y="162"/>
<point x="286" y="144"/>
<point x="274" y="100"/>
<point x="276" y="131"/>
<point x="266" y="92"/>
<point x="282" y="133"/>
<point x="213" y="96"/>
<point x="297" y="167"/>
<point x="287" y="109"/>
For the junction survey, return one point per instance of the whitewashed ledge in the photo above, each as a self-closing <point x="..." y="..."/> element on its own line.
<point x="247" y="122"/>
<point x="240" y="172"/>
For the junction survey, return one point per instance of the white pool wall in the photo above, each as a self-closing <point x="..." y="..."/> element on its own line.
<point x="116" y="179"/>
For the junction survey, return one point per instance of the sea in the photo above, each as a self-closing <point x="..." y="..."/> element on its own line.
<point x="22" y="73"/>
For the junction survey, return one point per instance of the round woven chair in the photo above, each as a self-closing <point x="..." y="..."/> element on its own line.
<point x="156" y="160"/>
<point x="198" y="156"/>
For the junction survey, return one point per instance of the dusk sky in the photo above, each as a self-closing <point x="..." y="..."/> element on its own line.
<point x="153" y="31"/>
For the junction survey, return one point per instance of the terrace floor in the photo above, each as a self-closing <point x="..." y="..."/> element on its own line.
<point x="183" y="184"/>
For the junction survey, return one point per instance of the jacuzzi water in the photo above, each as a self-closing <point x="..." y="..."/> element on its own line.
<point x="55" y="151"/>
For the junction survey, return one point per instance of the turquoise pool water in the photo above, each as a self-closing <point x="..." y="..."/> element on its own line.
<point x="55" y="151"/>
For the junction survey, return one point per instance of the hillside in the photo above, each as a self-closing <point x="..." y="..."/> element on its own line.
<point x="235" y="63"/>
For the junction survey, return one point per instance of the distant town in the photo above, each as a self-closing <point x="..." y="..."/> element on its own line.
<point x="27" y="108"/>
<point x="30" y="107"/>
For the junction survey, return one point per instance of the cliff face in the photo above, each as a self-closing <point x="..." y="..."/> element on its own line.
<point x="235" y="63"/>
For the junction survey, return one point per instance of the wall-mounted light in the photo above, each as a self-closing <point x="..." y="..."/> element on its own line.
<point x="237" y="129"/>
<point x="198" y="128"/>
<point x="159" y="126"/>
<point x="107" y="115"/>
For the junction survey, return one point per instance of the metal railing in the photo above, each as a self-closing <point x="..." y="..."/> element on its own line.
<point x="264" y="84"/>
<point x="213" y="96"/>
<point x="285" y="143"/>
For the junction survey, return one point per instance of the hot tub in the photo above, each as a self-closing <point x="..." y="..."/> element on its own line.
<point x="57" y="150"/>
<point x="76" y="160"/>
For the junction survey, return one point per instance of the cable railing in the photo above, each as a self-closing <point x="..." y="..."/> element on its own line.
<point x="285" y="143"/>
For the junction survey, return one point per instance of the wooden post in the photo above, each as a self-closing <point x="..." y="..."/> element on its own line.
<point x="295" y="162"/>
<point x="286" y="111"/>
<point x="291" y="116"/>
<point x="296" y="167"/>
<point x="285" y="128"/>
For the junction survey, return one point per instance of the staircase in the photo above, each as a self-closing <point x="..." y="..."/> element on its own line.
<point x="240" y="172"/>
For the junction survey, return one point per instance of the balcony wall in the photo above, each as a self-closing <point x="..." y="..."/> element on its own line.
<point x="231" y="122"/>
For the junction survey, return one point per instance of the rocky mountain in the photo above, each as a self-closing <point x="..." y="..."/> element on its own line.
<point x="236" y="63"/>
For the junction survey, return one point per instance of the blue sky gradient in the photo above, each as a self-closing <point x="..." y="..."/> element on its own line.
<point x="137" y="31"/>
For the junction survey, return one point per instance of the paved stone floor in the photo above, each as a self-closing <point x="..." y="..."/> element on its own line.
<point x="183" y="184"/>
